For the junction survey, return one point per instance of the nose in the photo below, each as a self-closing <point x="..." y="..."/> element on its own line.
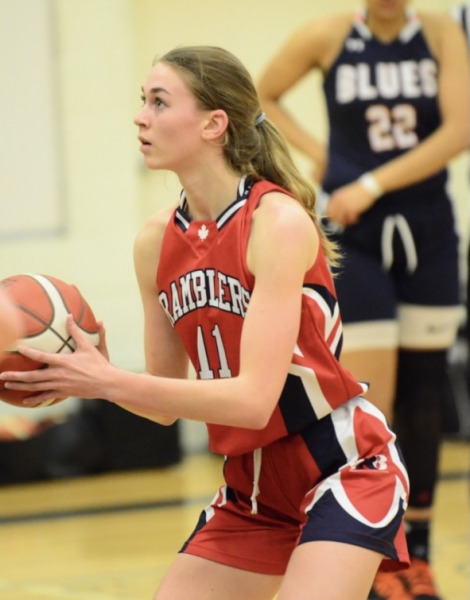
<point x="139" y="118"/>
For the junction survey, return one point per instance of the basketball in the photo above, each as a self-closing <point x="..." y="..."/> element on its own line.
<point x="43" y="303"/>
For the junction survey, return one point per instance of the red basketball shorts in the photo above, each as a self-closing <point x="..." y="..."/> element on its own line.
<point x="341" y="479"/>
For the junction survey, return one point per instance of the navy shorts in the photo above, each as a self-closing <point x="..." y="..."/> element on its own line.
<point x="403" y="267"/>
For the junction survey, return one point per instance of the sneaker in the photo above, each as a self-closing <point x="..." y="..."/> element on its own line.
<point x="419" y="580"/>
<point x="414" y="583"/>
<point x="389" y="586"/>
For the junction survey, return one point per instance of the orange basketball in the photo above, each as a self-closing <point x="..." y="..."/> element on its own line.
<point x="44" y="303"/>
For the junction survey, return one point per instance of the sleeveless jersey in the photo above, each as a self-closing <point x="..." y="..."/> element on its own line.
<point x="205" y="288"/>
<point x="382" y="101"/>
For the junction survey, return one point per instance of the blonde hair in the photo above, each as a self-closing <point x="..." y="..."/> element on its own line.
<point x="253" y="144"/>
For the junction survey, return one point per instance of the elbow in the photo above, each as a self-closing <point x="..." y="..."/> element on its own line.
<point x="267" y="100"/>
<point x="256" y="422"/>
<point x="461" y="137"/>
<point x="164" y="420"/>
<point x="257" y="415"/>
<point x="465" y="140"/>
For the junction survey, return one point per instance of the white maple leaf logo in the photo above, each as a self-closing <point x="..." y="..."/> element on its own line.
<point x="203" y="232"/>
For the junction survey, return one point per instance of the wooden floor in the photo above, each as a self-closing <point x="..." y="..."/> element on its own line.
<point x="111" y="537"/>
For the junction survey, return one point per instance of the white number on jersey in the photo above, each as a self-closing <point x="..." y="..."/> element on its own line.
<point x="392" y="128"/>
<point x="205" y="372"/>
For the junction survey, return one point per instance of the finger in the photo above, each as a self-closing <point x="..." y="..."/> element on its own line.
<point x="37" y="355"/>
<point x="102" y="346"/>
<point x="44" y="399"/>
<point x="75" y="331"/>
<point x="25" y="377"/>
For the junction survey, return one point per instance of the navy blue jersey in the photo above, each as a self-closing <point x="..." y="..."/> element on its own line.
<point x="382" y="101"/>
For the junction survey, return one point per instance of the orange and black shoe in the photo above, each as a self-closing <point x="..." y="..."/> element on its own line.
<point x="414" y="583"/>
<point x="419" y="580"/>
<point x="389" y="586"/>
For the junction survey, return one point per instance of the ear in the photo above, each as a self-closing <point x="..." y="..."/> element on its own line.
<point x="215" y="126"/>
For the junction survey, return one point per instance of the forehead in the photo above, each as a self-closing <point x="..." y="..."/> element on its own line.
<point x="392" y="4"/>
<point x="165" y="78"/>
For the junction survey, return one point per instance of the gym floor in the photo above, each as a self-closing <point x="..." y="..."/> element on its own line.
<point x="112" y="536"/>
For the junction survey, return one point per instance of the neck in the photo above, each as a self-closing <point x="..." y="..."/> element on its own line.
<point x="386" y="27"/>
<point x="209" y="194"/>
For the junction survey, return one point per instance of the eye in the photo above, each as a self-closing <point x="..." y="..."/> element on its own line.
<point x="142" y="99"/>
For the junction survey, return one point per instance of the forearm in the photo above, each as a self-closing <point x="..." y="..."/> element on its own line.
<point x="221" y="401"/>
<point x="427" y="159"/>
<point x="296" y="135"/>
<point x="160" y="419"/>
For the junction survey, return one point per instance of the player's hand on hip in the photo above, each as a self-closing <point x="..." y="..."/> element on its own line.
<point x="348" y="203"/>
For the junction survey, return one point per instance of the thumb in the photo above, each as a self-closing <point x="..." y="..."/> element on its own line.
<point x="102" y="347"/>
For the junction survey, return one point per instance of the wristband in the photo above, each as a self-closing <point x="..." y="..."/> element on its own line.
<point x="370" y="183"/>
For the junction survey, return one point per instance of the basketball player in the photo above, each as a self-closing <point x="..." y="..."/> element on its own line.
<point x="461" y="13"/>
<point x="10" y="326"/>
<point x="396" y="88"/>
<point x="236" y="278"/>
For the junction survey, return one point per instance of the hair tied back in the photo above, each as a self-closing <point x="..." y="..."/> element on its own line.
<point x="260" y="119"/>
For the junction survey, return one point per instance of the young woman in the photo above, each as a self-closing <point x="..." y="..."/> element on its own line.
<point x="397" y="94"/>
<point x="236" y="280"/>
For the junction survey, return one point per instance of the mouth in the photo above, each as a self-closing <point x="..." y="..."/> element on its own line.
<point x="143" y="141"/>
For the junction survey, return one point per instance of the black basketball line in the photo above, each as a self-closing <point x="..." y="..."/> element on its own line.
<point x="83" y="307"/>
<point x="47" y="326"/>
<point x="78" y="320"/>
<point x="67" y="344"/>
<point x="65" y="341"/>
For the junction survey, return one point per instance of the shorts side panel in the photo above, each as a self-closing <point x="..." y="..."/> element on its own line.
<point x="364" y="502"/>
<point x="341" y="479"/>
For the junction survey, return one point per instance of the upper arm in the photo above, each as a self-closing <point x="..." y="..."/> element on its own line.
<point x="283" y="245"/>
<point x="314" y="45"/>
<point x="164" y="351"/>
<point x="447" y="41"/>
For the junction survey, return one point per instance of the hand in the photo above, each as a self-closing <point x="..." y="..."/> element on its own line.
<point x="83" y="374"/>
<point x="348" y="203"/>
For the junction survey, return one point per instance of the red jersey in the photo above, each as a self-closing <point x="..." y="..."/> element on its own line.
<point x="205" y="288"/>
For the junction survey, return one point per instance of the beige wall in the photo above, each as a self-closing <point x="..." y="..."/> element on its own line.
<point x="104" y="50"/>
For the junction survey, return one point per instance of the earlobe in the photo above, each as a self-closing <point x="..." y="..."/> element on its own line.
<point x="215" y="125"/>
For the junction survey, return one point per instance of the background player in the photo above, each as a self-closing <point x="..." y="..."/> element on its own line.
<point x="314" y="486"/>
<point x="461" y="13"/>
<point x="396" y="89"/>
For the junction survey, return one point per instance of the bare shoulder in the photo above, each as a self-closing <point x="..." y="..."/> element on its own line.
<point x="283" y="216"/>
<point x="283" y="231"/>
<point x="153" y="229"/>
<point x="328" y="27"/>
<point x="441" y="30"/>
<point x="325" y="36"/>
<point x="148" y="241"/>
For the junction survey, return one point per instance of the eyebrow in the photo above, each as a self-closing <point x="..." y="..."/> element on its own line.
<point x="156" y="90"/>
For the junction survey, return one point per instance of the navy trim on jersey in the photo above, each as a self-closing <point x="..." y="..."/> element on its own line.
<point x="244" y="187"/>
<point x="295" y="405"/>
<point x="411" y="27"/>
<point x="324" y="447"/>
<point x="181" y="218"/>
